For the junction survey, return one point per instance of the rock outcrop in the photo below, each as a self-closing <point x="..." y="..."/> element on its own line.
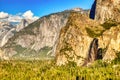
<point x="107" y="9"/>
<point x="37" y="36"/>
<point x="93" y="10"/>
<point x="76" y="41"/>
<point x="94" y="52"/>
<point x="7" y="30"/>
<point x="24" y="23"/>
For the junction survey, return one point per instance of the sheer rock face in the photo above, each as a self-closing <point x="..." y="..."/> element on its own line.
<point x="107" y="9"/>
<point x="76" y="45"/>
<point x="93" y="50"/>
<point x="39" y="34"/>
<point x="24" y="23"/>
<point x="7" y="30"/>
<point x="73" y="41"/>
<point x="110" y="41"/>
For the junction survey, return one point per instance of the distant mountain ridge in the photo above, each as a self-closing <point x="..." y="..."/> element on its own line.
<point x="38" y="37"/>
<point x="8" y="29"/>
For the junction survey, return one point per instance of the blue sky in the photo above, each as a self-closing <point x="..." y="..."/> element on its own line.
<point x="41" y="7"/>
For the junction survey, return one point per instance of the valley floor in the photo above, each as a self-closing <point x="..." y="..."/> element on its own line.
<point x="47" y="70"/>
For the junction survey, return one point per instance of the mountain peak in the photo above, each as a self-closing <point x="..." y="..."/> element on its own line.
<point x="77" y="9"/>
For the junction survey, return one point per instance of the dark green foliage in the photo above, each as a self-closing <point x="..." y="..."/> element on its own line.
<point x="66" y="48"/>
<point x="118" y="55"/>
<point x="30" y="54"/>
<point x="19" y="48"/>
<point x="72" y="64"/>
<point x="117" y="59"/>
<point x="108" y="24"/>
<point x="99" y="63"/>
<point x="46" y="48"/>
<point x="92" y="33"/>
<point x="43" y="52"/>
<point x="47" y="70"/>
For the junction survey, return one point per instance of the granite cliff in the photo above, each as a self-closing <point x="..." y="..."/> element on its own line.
<point x="39" y="38"/>
<point x="7" y="30"/>
<point x="83" y="40"/>
<point x="107" y="9"/>
<point x="75" y="40"/>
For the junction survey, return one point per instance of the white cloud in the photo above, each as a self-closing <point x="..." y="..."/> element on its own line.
<point x="29" y="15"/>
<point x="3" y="15"/>
<point x="18" y="17"/>
<point x="14" y="18"/>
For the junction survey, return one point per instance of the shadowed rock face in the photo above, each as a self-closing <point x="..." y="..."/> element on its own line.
<point x="99" y="53"/>
<point x="94" y="52"/>
<point x="92" y="11"/>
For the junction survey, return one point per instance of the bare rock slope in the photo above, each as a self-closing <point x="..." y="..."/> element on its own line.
<point x="39" y="38"/>
<point x="7" y="30"/>
<point x="75" y="39"/>
<point x="83" y="40"/>
<point x="107" y="9"/>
